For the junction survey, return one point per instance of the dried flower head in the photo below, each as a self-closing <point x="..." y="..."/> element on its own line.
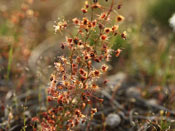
<point x="104" y="68"/>
<point x="84" y="10"/>
<point x="59" y="26"/>
<point x="123" y="35"/>
<point x="118" y="52"/>
<point x="76" y="21"/>
<point x="96" y="73"/>
<point x="104" y="37"/>
<point x="120" y="18"/>
<point x="93" y="110"/>
<point x="94" y="23"/>
<point x="107" y="30"/>
<point x="114" y="28"/>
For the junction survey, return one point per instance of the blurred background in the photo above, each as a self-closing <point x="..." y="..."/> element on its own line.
<point x="29" y="46"/>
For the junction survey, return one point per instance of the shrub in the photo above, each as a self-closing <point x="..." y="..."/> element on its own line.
<point x="74" y="82"/>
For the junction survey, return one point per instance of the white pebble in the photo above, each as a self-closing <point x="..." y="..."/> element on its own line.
<point x="113" y="120"/>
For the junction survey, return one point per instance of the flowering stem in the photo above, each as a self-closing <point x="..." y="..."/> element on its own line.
<point x="110" y="10"/>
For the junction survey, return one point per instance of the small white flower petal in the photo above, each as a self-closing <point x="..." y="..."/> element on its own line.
<point x="172" y="22"/>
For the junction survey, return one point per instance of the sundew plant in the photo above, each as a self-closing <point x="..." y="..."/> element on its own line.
<point x="74" y="82"/>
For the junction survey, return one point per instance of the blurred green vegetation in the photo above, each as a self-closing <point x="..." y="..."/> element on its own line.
<point x="125" y="46"/>
<point x="4" y="29"/>
<point x="162" y="10"/>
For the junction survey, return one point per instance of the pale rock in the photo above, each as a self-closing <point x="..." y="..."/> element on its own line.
<point x="152" y="102"/>
<point x="133" y="92"/>
<point x="113" y="120"/>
